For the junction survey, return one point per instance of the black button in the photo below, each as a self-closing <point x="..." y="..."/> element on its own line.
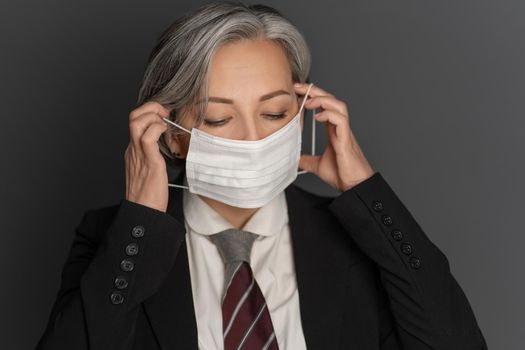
<point x="415" y="262"/>
<point x="377" y="205"/>
<point x="406" y="248"/>
<point x="127" y="265"/>
<point x="132" y="249"/>
<point x="397" y="234"/>
<point x="387" y="220"/>
<point x="120" y="282"/>
<point x="116" y="298"/>
<point x="138" y="231"/>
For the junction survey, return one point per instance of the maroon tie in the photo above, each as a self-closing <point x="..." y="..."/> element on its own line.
<point x="246" y="321"/>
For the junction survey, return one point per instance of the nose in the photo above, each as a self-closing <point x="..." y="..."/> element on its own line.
<point x="252" y="131"/>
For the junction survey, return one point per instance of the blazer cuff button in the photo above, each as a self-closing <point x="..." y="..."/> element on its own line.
<point x="415" y="262"/>
<point x="138" y="231"/>
<point x="116" y="298"/>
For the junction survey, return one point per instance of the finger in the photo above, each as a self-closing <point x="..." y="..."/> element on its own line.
<point x="149" y="107"/>
<point x="138" y="126"/>
<point x="149" y="140"/>
<point x="309" y="163"/>
<point x="314" y="90"/>
<point x="327" y="103"/>
<point x="339" y="121"/>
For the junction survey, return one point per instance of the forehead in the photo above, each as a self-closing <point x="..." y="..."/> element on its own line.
<point x="246" y="66"/>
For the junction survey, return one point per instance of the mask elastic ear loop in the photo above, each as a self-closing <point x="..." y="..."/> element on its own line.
<point x="179" y="186"/>
<point x="177" y="125"/>
<point x="301" y="172"/>
<point x="189" y="132"/>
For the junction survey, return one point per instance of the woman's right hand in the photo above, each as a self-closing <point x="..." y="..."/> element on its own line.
<point x="146" y="175"/>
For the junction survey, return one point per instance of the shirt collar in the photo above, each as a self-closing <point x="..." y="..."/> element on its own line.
<point x="268" y="220"/>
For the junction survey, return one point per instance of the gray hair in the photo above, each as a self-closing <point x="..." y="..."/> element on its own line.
<point x="177" y="71"/>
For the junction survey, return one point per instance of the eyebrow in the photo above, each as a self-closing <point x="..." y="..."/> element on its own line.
<point x="262" y="98"/>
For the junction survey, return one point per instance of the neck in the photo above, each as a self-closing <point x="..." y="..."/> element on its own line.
<point x="238" y="217"/>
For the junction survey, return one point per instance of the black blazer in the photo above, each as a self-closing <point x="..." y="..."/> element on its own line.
<point x="368" y="278"/>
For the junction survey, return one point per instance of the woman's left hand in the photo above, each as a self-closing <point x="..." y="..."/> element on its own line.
<point x="342" y="164"/>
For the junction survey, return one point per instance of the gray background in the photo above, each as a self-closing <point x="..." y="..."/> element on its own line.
<point x="435" y="92"/>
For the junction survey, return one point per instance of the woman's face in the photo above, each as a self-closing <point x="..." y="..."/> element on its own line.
<point x="251" y="93"/>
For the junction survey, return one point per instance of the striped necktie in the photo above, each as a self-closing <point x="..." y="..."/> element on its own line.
<point x="246" y="321"/>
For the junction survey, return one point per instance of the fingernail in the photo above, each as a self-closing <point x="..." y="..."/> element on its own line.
<point x="297" y="84"/>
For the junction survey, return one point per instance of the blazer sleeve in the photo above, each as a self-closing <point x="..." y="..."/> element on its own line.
<point x="429" y="307"/>
<point x="115" y="262"/>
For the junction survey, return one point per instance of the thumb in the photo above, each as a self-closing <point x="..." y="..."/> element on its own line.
<point x="309" y="163"/>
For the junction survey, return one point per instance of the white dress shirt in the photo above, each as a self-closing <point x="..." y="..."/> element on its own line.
<point x="271" y="261"/>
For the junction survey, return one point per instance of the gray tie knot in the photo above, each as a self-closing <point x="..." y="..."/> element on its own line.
<point x="234" y="245"/>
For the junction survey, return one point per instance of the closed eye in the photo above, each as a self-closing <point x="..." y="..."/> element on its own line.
<point x="221" y="122"/>
<point x="215" y="123"/>
<point x="275" y="116"/>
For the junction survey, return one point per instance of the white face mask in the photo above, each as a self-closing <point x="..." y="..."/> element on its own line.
<point x="241" y="173"/>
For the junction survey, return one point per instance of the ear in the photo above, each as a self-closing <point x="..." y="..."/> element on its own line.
<point x="178" y="145"/>
<point x="177" y="141"/>
<point x="301" y="117"/>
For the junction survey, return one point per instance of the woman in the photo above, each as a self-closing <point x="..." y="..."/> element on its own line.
<point x="229" y="254"/>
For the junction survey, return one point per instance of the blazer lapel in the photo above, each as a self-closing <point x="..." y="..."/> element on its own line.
<point x="319" y="274"/>
<point x="320" y="269"/>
